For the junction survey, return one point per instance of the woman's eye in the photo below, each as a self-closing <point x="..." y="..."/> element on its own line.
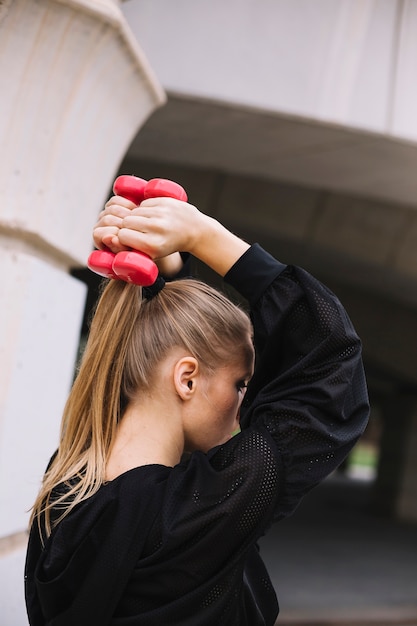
<point x="241" y="386"/>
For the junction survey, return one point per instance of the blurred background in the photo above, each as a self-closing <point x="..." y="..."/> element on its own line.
<point x="294" y="123"/>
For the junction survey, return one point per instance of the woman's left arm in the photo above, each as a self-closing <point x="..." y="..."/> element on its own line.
<point x="309" y="389"/>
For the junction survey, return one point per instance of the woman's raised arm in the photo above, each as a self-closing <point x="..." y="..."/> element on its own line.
<point x="160" y="227"/>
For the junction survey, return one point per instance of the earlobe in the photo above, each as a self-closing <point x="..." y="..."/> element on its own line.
<point x="185" y="377"/>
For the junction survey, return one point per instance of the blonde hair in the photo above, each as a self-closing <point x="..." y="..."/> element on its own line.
<point x="128" y="338"/>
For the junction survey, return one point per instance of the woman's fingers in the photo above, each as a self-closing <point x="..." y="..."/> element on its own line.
<point x="116" y="202"/>
<point x="110" y="220"/>
<point x="144" y="242"/>
<point x="107" y="238"/>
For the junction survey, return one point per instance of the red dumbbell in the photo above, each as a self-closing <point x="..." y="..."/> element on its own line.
<point x="130" y="265"/>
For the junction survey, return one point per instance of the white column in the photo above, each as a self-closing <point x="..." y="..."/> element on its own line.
<point x="75" y="89"/>
<point x="406" y="509"/>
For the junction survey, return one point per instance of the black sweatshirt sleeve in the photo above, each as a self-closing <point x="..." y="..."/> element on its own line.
<point x="309" y="389"/>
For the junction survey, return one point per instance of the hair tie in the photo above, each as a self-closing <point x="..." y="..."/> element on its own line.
<point x="152" y="290"/>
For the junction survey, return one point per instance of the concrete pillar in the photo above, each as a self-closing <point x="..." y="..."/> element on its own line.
<point x="407" y="498"/>
<point x="75" y="89"/>
<point x="395" y="490"/>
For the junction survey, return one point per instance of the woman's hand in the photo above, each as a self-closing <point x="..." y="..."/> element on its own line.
<point x="106" y="234"/>
<point x="161" y="227"/>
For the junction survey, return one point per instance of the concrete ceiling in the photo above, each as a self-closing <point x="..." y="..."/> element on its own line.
<point x="339" y="203"/>
<point x="262" y="144"/>
<point x="327" y="192"/>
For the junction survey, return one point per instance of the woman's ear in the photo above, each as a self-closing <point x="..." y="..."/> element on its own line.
<point x="186" y="372"/>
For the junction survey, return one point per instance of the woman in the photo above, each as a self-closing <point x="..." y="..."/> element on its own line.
<point x="150" y="511"/>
